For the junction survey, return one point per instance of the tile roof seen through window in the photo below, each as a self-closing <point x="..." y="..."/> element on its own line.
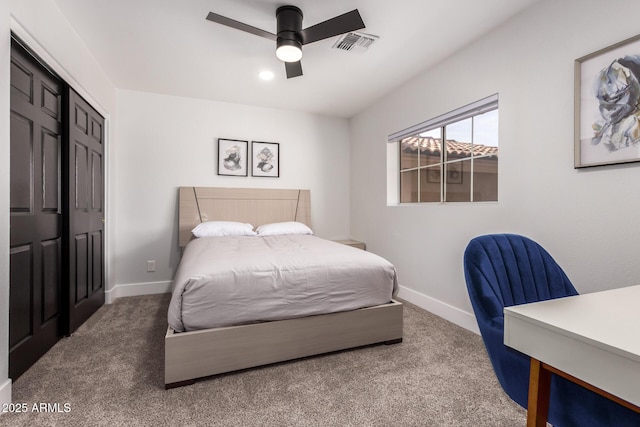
<point x="455" y="149"/>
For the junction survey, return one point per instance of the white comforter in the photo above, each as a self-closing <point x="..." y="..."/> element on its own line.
<point x="223" y="281"/>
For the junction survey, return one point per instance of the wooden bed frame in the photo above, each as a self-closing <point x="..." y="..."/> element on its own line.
<point x="196" y="354"/>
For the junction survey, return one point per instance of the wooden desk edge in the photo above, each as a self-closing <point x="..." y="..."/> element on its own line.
<point x="540" y="391"/>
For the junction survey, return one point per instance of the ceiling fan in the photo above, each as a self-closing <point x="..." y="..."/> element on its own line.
<point x="290" y="36"/>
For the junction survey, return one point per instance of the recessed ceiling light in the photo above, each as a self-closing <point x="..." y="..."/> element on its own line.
<point x="266" y="75"/>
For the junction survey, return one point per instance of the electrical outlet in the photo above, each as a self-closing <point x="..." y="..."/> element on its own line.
<point x="151" y="265"/>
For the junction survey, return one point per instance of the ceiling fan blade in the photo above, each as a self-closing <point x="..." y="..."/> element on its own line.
<point x="350" y="21"/>
<point x="294" y="69"/>
<point x="219" y="19"/>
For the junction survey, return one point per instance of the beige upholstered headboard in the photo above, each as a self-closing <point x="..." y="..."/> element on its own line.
<point x="256" y="206"/>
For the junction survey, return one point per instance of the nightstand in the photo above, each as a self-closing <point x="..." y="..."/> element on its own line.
<point x="353" y="243"/>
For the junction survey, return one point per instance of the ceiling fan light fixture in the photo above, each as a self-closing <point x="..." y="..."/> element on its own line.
<point x="290" y="36"/>
<point x="288" y="50"/>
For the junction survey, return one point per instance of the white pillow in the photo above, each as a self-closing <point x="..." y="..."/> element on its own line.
<point x="279" y="228"/>
<point x="223" y="228"/>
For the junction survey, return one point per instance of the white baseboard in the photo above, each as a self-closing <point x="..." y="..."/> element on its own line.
<point x="135" y="289"/>
<point x="5" y="393"/>
<point x="439" y="308"/>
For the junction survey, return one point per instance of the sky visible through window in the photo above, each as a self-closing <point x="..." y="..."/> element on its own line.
<point x="486" y="130"/>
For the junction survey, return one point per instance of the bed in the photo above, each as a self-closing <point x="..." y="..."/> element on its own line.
<point x="199" y="348"/>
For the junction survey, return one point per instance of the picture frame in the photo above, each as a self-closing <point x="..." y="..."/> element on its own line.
<point x="433" y="175"/>
<point x="265" y="159"/>
<point x="454" y="173"/>
<point x="606" y="118"/>
<point x="232" y="157"/>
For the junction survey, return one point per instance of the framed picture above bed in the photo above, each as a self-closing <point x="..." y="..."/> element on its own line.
<point x="265" y="159"/>
<point x="232" y="157"/>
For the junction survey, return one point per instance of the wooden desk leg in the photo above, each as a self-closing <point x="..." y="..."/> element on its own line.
<point x="539" y="391"/>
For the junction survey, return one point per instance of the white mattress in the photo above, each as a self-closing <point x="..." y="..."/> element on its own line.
<point x="223" y="281"/>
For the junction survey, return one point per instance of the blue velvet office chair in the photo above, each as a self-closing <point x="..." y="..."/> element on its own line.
<point x="502" y="270"/>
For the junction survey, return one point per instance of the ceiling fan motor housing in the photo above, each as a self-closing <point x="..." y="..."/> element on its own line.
<point x="289" y="26"/>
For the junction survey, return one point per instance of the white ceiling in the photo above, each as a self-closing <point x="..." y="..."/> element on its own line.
<point x="167" y="46"/>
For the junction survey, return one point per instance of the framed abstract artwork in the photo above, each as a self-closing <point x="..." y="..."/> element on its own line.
<point x="265" y="159"/>
<point x="453" y="171"/>
<point x="232" y="157"/>
<point x="607" y="105"/>
<point x="433" y="174"/>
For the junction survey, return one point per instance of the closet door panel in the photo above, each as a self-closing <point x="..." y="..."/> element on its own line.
<point x="86" y="216"/>
<point x="35" y="211"/>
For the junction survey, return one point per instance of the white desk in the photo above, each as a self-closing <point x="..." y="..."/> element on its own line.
<point x="594" y="338"/>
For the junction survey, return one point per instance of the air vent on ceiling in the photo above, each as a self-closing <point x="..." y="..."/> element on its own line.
<point x="355" y="42"/>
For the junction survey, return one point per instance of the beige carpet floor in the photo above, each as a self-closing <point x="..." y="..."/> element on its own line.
<point x="110" y="373"/>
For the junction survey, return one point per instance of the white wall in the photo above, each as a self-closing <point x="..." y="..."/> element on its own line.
<point x="584" y="218"/>
<point x="166" y="142"/>
<point x="44" y="28"/>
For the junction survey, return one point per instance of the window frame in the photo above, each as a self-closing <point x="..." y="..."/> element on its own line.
<point x="441" y="122"/>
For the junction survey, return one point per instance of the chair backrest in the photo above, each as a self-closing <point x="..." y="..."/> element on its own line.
<point x="503" y="270"/>
<point x="514" y="270"/>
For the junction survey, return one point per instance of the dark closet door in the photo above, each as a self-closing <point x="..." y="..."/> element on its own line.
<point x="86" y="209"/>
<point x="36" y="211"/>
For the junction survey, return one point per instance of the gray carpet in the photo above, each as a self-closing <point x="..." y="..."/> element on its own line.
<point x="110" y="373"/>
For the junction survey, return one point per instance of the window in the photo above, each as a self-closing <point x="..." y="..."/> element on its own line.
<point x="452" y="158"/>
